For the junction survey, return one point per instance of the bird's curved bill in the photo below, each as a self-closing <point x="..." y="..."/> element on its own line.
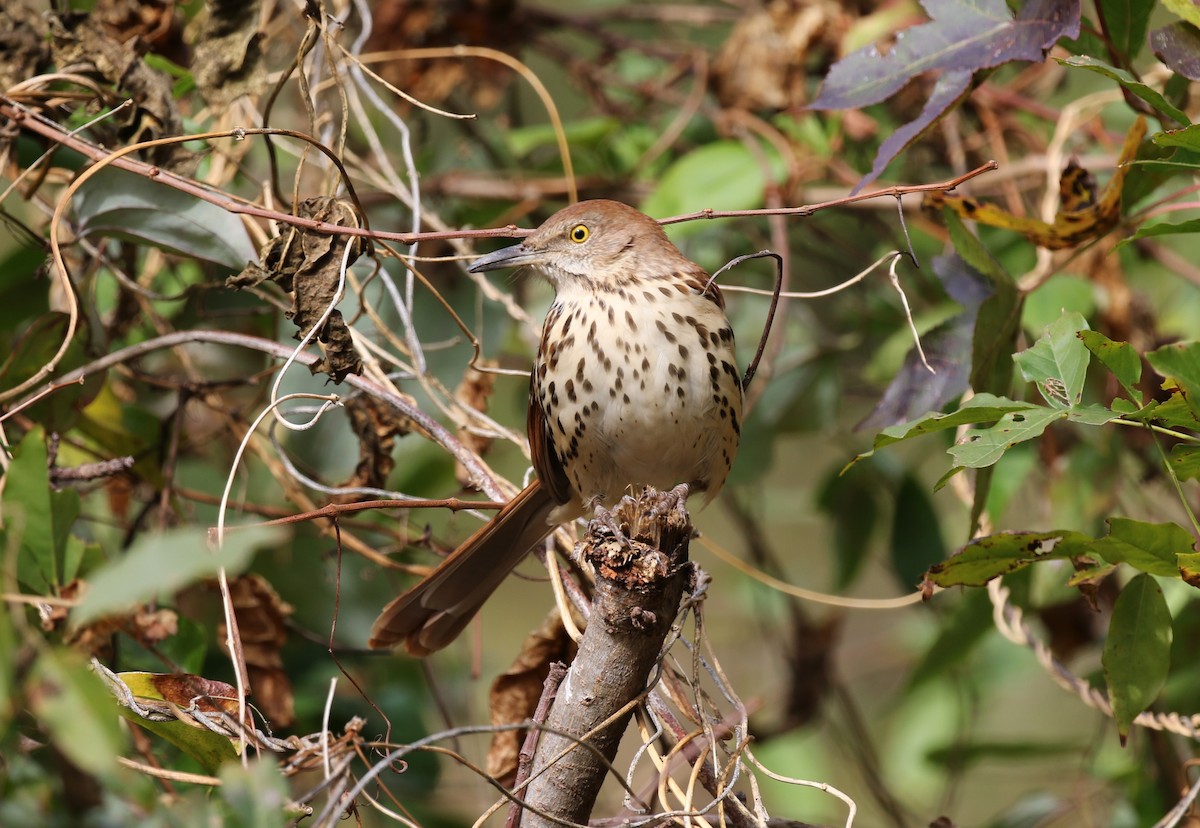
<point x="514" y="256"/>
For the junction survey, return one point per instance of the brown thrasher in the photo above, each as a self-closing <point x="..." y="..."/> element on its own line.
<point x="635" y="385"/>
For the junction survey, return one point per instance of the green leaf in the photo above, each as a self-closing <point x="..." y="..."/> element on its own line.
<point x="1141" y="90"/>
<point x="8" y="672"/>
<point x="989" y="557"/>
<point x="1180" y="362"/>
<point x="1061" y="292"/>
<point x="997" y="326"/>
<point x="983" y="447"/>
<point x="257" y="795"/>
<point x="850" y="502"/>
<point x="124" y="430"/>
<point x="960" y="756"/>
<point x="1187" y="138"/>
<point x="1185" y="462"/>
<point x="916" y="542"/>
<point x="1189" y="567"/>
<point x="1119" y="358"/>
<point x="41" y="517"/>
<point x="1137" y="652"/>
<point x="161" y="564"/>
<point x="1152" y="167"/>
<point x="960" y="630"/>
<point x="1092" y="414"/>
<point x="723" y="172"/>
<point x="523" y="140"/>
<point x="118" y="203"/>
<point x="77" y="710"/>
<point x="1150" y="547"/>
<point x="29" y="354"/>
<point x="1162" y="228"/>
<point x="982" y="408"/>
<point x="1186" y="9"/>
<point x="1126" y="23"/>
<point x="998" y="320"/>
<point x="1174" y="413"/>
<point x="1058" y="362"/>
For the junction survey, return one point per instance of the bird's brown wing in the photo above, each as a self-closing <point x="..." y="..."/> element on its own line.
<point x="546" y="462"/>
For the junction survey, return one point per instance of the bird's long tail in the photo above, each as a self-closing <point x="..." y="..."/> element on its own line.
<point x="430" y="615"/>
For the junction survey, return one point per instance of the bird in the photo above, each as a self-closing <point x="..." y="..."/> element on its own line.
<point x="635" y="384"/>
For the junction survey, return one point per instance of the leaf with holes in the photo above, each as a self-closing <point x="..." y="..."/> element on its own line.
<point x="1057" y="363"/>
<point x="989" y="557"/>
<point x="982" y="408"/>
<point x="983" y="447"/>
<point x="1185" y="462"/>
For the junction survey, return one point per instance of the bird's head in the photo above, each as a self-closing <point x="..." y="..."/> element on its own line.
<point x="605" y="243"/>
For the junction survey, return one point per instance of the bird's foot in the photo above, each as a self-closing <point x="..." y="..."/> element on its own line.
<point x="609" y="521"/>
<point x="670" y="501"/>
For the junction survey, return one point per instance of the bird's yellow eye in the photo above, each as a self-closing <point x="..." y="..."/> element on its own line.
<point x="579" y="233"/>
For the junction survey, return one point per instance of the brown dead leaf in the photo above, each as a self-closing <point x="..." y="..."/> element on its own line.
<point x="514" y="694"/>
<point x="307" y="265"/>
<point x="22" y="44"/>
<point x="206" y="695"/>
<point x="763" y="64"/>
<point x="229" y="55"/>
<point x="149" y="627"/>
<point x="152" y="627"/>
<point x="408" y="24"/>
<point x="157" y="24"/>
<point x="474" y="391"/>
<point x="81" y="44"/>
<point x="262" y="621"/>
<point x="377" y="425"/>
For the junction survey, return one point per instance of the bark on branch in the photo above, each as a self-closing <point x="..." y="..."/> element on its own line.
<point x="640" y="581"/>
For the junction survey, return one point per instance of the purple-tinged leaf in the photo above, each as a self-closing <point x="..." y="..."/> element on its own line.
<point x="914" y="391"/>
<point x="950" y="88"/>
<point x="1178" y="46"/>
<point x="962" y="34"/>
<point x="962" y="37"/>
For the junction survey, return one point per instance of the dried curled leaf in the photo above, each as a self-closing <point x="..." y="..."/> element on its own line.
<point x="229" y="53"/>
<point x="262" y="623"/>
<point x="377" y="425"/>
<point x="83" y="46"/>
<point x="473" y="392"/>
<point x="1082" y="215"/>
<point x="308" y="266"/>
<point x="764" y="62"/>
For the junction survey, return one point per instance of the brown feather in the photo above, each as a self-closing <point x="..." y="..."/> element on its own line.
<point x="432" y="614"/>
